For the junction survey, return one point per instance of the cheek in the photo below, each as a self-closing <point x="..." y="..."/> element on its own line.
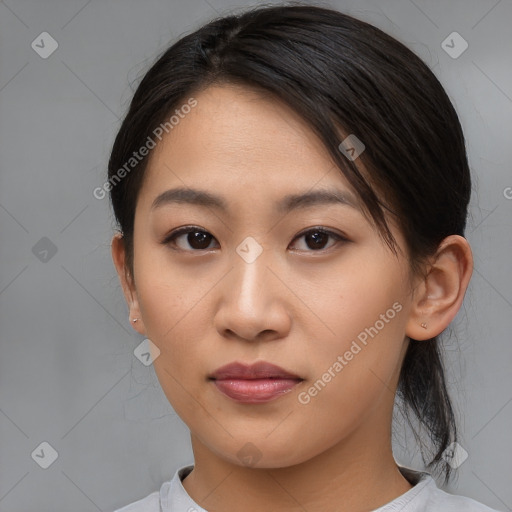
<point x="167" y="294"/>
<point x="352" y="296"/>
<point x="172" y="314"/>
<point x="359" y="335"/>
<point x="354" y="374"/>
<point x="172" y="309"/>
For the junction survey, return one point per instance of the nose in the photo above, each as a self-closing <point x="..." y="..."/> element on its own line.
<point x="254" y="304"/>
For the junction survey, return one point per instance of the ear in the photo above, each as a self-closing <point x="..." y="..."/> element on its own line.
<point x="127" y="282"/>
<point x="439" y="294"/>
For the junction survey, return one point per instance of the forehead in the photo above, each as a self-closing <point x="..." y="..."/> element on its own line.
<point x="240" y="137"/>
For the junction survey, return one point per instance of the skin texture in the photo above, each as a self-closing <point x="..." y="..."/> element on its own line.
<point x="297" y="306"/>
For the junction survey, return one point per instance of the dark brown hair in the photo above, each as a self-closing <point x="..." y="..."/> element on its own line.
<point x="342" y="76"/>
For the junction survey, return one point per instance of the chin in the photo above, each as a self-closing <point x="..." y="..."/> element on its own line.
<point x="262" y="453"/>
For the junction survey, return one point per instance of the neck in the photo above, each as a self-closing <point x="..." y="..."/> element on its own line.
<point x="357" y="474"/>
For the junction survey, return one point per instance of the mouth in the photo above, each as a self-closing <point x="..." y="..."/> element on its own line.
<point x="253" y="384"/>
<point x="259" y="370"/>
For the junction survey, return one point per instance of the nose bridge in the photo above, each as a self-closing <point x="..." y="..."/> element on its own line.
<point x="250" y="273"/>
<point x="251" y="301"/>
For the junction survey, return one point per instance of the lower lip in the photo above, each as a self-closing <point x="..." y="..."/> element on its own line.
<point x="255" y="391"/>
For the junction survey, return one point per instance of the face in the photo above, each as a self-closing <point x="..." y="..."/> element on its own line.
<point x="306" y="283"/>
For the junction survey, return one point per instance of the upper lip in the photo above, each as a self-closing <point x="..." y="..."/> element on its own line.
<point x="259" y="370"/>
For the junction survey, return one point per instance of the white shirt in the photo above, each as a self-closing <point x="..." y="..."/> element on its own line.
<point x="425" y="496"/>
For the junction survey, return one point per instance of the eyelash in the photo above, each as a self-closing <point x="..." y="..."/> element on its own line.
<point x="170" y="239"/>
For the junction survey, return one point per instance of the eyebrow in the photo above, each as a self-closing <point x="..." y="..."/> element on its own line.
<point x="284" y="205"/>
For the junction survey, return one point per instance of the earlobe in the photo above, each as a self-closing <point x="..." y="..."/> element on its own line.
<point x="439" y="294"/>
<point x="127" y="283"/>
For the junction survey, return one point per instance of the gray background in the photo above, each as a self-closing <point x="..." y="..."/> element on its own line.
<point x="68" y="375"/>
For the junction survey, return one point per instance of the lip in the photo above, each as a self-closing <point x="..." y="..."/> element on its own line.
<point x="259" y="370"/>
<point x="253" y="384"/>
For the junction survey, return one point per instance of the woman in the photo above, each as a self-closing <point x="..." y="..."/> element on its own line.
<point x="291" y="189"/>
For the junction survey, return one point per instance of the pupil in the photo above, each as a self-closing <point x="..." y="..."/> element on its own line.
<point x="199" y="240"/>
<point x="319" y="239"/>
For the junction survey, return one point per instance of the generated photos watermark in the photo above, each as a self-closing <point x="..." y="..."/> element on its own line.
<point x="143" y="151"/>
<point x="304" y="397"/>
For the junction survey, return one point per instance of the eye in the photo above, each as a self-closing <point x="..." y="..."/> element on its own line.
<point x="193" y="239"/>
<point x="188" y="238"/>
<point x="317" y="239"/>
